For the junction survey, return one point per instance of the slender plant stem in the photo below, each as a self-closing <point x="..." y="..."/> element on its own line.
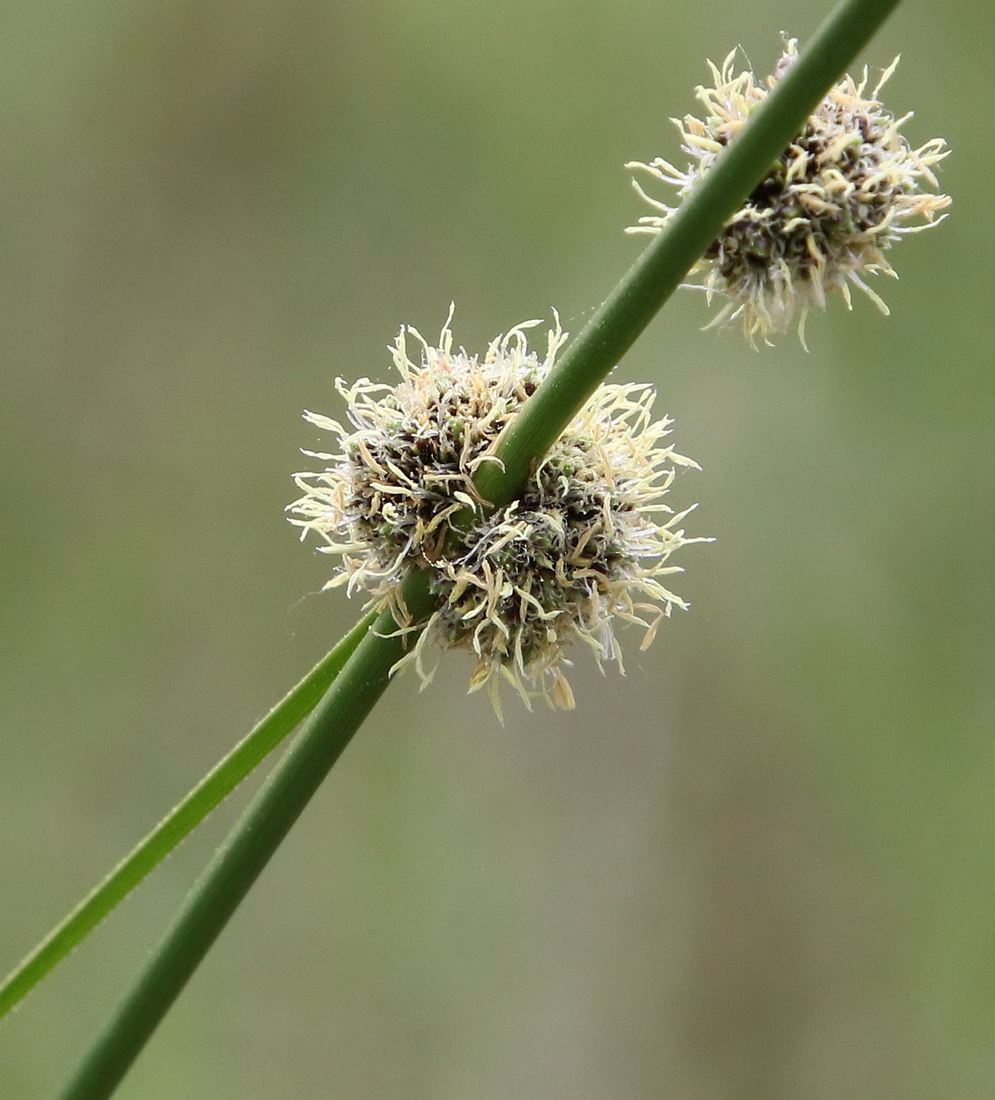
<point x="665" y="263"/>
<point x="245" y="852"/>
<point x="223" y="778"/>
<point x="591" y="355"/>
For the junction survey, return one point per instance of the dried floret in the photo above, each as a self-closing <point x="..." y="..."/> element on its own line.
<point x="586" y="541"/>
<point x="833" y="202"/>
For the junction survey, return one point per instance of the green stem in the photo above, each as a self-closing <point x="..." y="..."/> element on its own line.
<point x="591" y="355"/>
<point x="209" y="792"/>
<point x="245" y="852"/>
<point x="660" y="270"/>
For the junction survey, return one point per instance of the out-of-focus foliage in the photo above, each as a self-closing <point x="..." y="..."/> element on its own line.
<point x="759" y="866"/>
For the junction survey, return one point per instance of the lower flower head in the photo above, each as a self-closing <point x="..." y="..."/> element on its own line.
<point x="822" y="217"/>
<point x="587" y="541"/>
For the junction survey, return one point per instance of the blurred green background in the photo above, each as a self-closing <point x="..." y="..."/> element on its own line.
<point x="758" y="867"/>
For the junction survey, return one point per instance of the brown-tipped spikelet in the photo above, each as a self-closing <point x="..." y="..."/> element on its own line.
<point x="586" y="541"/>
<point x="836" y="198"/>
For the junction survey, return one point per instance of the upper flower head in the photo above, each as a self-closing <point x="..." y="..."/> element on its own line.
<point x="821" y="218"/>
<point x="586" y="540"/>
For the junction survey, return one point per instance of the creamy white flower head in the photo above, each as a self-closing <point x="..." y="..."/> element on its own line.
<point x="586" y="542"/>
<point x="836" y="198"/>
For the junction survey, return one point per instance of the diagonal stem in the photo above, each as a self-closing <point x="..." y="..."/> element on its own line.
<point x="244" y="853"/>
<point x="219" y="782"/>
<point x="659" y="271"/>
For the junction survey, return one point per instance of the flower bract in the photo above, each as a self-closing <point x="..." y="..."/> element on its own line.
<point x="586" y="542"/>
<point x="844" y="191"/>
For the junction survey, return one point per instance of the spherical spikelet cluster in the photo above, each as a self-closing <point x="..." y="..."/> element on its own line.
<point x="837" y="197"/>
<point x="587" y="541"/>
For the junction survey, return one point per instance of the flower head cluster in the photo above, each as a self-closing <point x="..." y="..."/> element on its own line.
<point x="821" y="218"/>
<point x="586" y="541"/>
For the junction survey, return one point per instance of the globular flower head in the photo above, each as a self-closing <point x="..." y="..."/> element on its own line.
<point x="834" y="201"/>
<point x="587" y="540"/>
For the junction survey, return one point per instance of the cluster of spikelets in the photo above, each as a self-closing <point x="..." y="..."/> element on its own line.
<point x="821" y="218"/>
<point x="589" y="537"/>
<point x="586" y="541"/>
